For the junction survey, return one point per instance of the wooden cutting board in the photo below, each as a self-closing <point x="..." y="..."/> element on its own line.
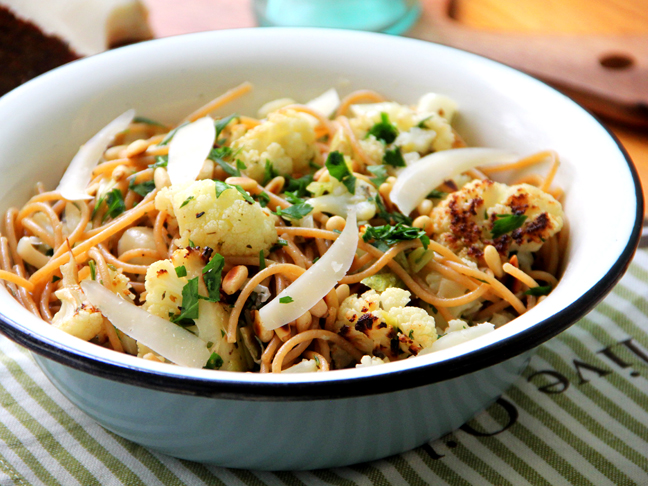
<point x="564" y="41"/>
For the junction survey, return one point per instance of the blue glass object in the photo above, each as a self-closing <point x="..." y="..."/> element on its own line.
<point x="388" y="16"/>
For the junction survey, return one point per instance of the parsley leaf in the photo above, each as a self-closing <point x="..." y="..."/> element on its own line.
<point x="218" y="154"/>
<point x="224" y="186"/>
<point x="181" y="271"/>
<point x="298" y="186"/>
<point x="262" y="262"/>
<point x="436" y="194"/>
<point x="212" y="277"/>
<point x="115" y="202"/>
<point x="380" y="171"/>
<point x="55" y="278"/>
<point x="189" y="309"/>
<point x="171" y="134"/>
<point x="338" y="168"/>
<point x="223" y="122"/>
<point x="263" y="199"/>
<point x="191" y="244"/>
<point x="505" y="223"/>
<point x="422" y="123"/>
<point x="539" y="290"/>
<point x="269" y="172"/>
<point x="147" y="121"/>
<point x="160" y="161"/>
<point x="142" y="189"/>
<point x="186" y="201"/>
<point x="395" y="217"/>
<point x="384" y="130"/>
<point x="286" y="300"/>
<point x="294" y="212"/>
<point x="215" y="362"/>
<point x="93" y="269"/>
<point x="394" y="157"/>
<point x="390" y="235"/>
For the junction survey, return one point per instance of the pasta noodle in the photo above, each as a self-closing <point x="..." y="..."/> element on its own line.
<point x="274" y="198"/>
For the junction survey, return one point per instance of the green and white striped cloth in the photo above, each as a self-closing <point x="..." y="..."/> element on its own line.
<point x="578" y="415"/>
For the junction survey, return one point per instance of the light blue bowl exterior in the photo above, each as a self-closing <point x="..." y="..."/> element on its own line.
<point x="283" y="435"/>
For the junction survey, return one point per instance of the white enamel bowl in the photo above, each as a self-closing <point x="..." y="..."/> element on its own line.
<point x="323" y="419"/>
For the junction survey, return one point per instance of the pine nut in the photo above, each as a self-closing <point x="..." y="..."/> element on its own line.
<point x="275" y="185"/>
<point x="303" y="322"/>
<point x="262" y="333"/>
<point x="161" y="178"/>
<point x="284" y="332"/>
<point x="342" y="291"/>
<point x="320" y="309"/>
<point x="336" y="223"/>
<point x="425" y="207"/>
<point x="424" y="223"/>
<point x="245" y="182"/>
<point x="206" y="171"/>
<point x="234" y="279"/>
<point x="114" y="152"/>
<point x="136" y="148"/>
<point x="120" y="173"/>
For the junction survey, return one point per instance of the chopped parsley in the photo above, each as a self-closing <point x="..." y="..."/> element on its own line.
<point x="269" y="172"/>
<point x="422" y="123"/>
<point x="263" y="199"/>
<point x="215" y="362"/>
<point x="282" y="242"/>
<point x="223" y="122"/>
<point x="262" y="262"/>
<point x="218" y="155"/>
<point x="181" y="271"/>
<point x="115" y="202"/>
<point x="338" y="168"/>
<point x="297" y="186"/>
<point x="186" y="201"/>
<point x="171" y="134"/>
<point x="93" y="269"/>
<point x="380" y="173"/>
<point x="436" y="194"/>
<point x="294" y="212"/>
<point x="505" y="223"/>
<point x="384" y="130"/>
<point x="142" y="189"/>
<point x="190" y="300"/>
<point x="394" y="217"/>
<point x="286" y="300"/>
<point x="539" y="290"/>
<point x="224" y="186"/>
<point x="160" y="161"/>
<point x="390" y="235"/>
<point x="147" y="121"/>
<point x="191" y="244"/>
<point x="55" y="278"/>
<point x="293" y="198"/>
<point x="394" y="157"/>
<point x="212" y="277"/>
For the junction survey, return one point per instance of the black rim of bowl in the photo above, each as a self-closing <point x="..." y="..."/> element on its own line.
<point x="387" y="382"/>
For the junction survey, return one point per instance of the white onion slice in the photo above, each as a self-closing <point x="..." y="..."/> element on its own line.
<point x="30" y="254"/>
<point x="189" y="148"/>
<point x="78" y="174"/>
<point x="316" y="282"/>
<point x="416" y="181"/>
<point x="326" y="103"/>
<point x="163" y="337"/>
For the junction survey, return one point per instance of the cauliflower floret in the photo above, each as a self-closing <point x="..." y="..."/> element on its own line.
<point x="164" y="299"/>
<point x="76" y="315"/>
<point x="445" y="138"/>
<point x="163" y="289"/>
<point x="436" y="103"/>
<point x="394" y="297"/>
<point x="381" y="325"/>
<point x="285" y="139"/>
<point x="367" y="115"/>
<point x="372" y="147"/>
<point x="367" y="361"/>
<point x="227" y="223"/>
<point x="414" y="323"/>
<point x="339" y="199"/>
<point x="464" y="221"/>
<point x="416" y="140"/>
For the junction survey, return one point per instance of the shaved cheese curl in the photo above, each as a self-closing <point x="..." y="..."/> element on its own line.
<point x="189" y="148"/>
<point x="326" y="103"/>
<point x="417" y="180"/>
<point x="165" y="338"/>
<point x="316" y="282"/>
<point x="78" y="174"/>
